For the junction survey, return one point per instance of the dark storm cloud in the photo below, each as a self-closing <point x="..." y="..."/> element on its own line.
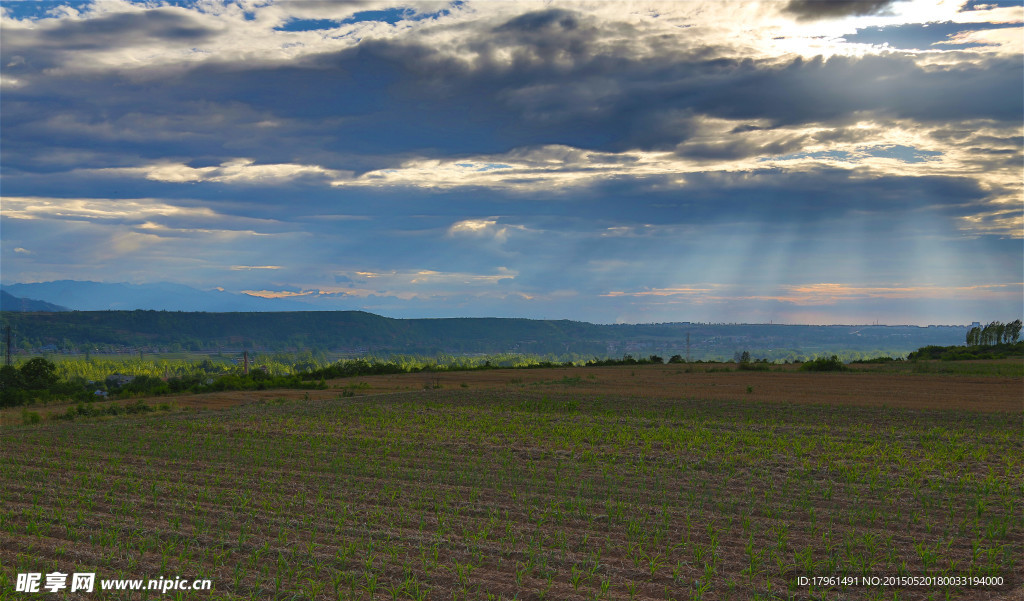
<point x="370" y="106"/>
<point x="29" y="52"/>
<point x="125" y="29"/>
<point x="738" y="149"/>
<point x="832" y="9"/>
<point x="541" y="22"/>
<point x="774" y="197"/>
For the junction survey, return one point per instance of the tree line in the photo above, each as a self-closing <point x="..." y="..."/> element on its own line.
<point x="38" y="380"/>
<point x="996" y="332"/>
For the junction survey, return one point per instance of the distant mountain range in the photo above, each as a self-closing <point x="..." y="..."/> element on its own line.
<point x="98" y="296"/>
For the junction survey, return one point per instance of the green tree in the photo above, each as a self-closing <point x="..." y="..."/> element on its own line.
<point x="988" y="333"/>
<point x="12" y="392"/>
<point x="974" y="336"/>
<point x="1013" y="331"/>
<point x="38" y="374"/>
<point x="995" y="332"/>
<point x="10" y="378"/>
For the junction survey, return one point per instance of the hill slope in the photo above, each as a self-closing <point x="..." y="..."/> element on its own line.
<point x="9" y="302"/>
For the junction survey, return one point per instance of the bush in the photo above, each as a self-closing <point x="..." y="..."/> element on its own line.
<point x="833" y="363"/>
<point x="876" y="360"/>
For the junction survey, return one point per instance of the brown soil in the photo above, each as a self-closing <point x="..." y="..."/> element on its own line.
<point x="867" y="388"/>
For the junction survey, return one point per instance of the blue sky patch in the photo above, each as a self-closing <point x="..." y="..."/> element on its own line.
<point x="834" y="155"/>
<point x="920" y="37"/>
<point x="977" y="4"/>
<point x="307" y="25"/>
<point x="40" y="9"/>
<point x="906" y="154"/>
<point x="394" y="15"/>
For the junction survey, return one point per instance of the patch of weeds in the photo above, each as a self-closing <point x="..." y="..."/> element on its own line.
<point x="83" y="410"/>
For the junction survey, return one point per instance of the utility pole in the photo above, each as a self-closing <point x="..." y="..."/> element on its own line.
<point x="7" y="358"/>
<point x="687" y="347"/>
<point x="245" y="361"/>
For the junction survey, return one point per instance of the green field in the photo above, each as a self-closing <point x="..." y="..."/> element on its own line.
<point x="506" y="495"/>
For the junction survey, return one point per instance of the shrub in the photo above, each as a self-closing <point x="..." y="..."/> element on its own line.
<point x="876" y="360"/>
<point x="822" y="364"/>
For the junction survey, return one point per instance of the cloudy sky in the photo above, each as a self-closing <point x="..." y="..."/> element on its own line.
<point x="795" y="161"/>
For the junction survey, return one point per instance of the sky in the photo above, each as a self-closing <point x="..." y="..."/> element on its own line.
<point x="790" y="161"/>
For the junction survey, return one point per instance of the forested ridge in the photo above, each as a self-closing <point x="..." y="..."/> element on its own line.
<point x="359" y="332"/>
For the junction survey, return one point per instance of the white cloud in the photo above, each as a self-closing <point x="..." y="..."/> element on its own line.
<point x="423" y="284"/>
<point x="237" y="171"/>
<point x="135" y="209"/>
<point x="1007" y="42"/>
<point x="472" y="226"/>
<point x="150" y="217"/>
<point x="483" y="228"/>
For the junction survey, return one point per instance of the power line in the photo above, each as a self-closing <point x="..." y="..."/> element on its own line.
<point x="7" y="358"/>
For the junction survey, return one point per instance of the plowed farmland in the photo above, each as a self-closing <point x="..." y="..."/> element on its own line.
<point x="612" y="483"/>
